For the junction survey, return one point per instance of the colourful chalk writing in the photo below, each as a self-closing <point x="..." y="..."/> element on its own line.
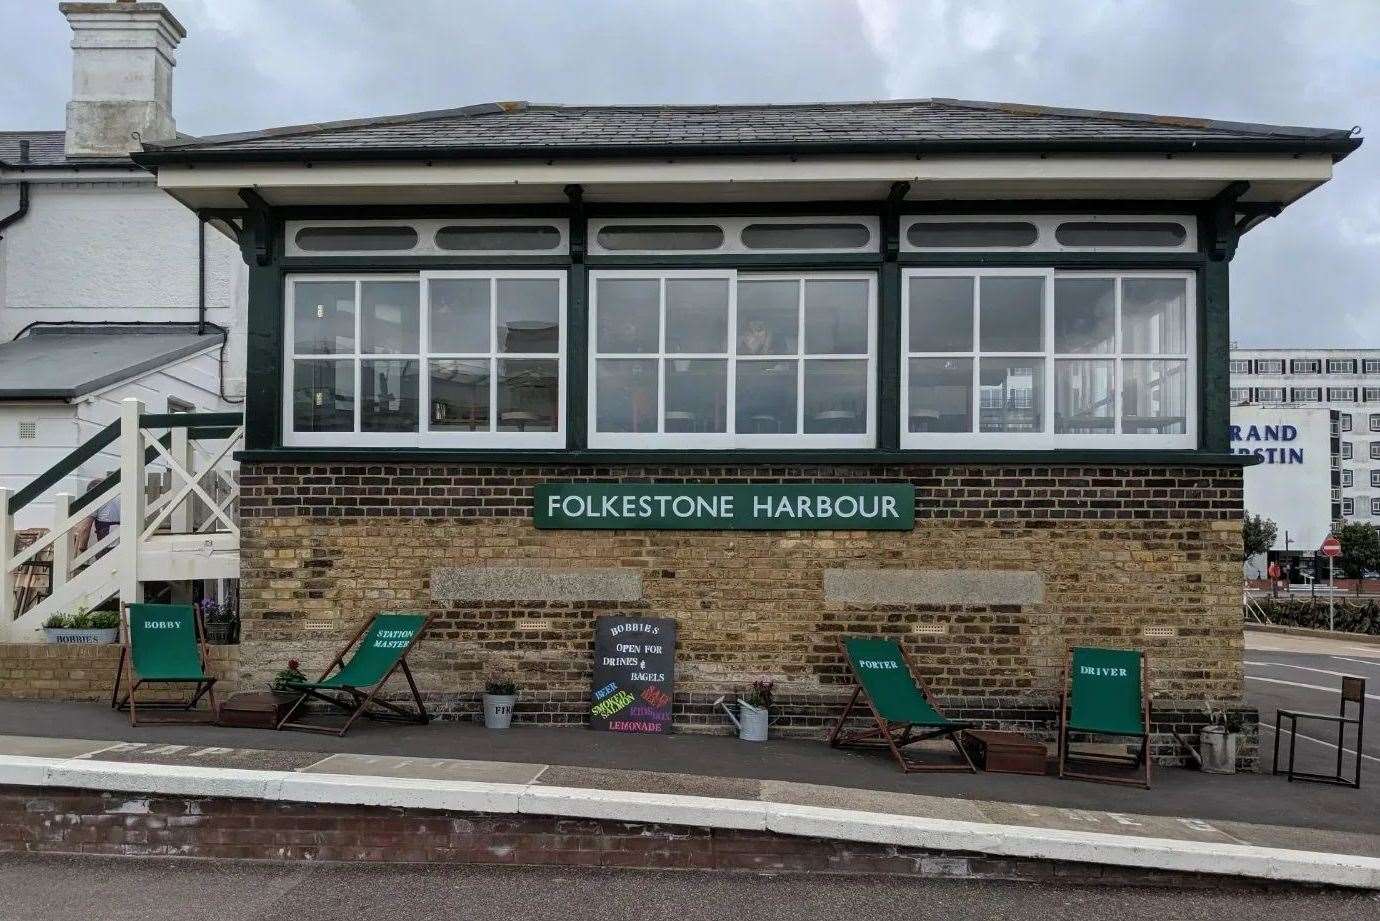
<point x="613" y="705"/>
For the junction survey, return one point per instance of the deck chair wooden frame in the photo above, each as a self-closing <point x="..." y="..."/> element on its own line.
<point x="204" y="686"/>
<point x="892" y="735"/>
<point x="359" y="701"/>
<point x="1137" y="761"/>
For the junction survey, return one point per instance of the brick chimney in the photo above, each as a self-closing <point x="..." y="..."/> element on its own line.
<point x="123" y="54"/>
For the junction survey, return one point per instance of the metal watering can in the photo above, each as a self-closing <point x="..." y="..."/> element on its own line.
<point x="752" y="722"/>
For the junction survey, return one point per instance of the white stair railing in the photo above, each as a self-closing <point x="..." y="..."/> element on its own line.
<point x="201" y="501"/>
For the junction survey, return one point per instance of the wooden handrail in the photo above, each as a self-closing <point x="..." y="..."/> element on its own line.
<point x="59" y="471"/>
<point x="190" y="420"/>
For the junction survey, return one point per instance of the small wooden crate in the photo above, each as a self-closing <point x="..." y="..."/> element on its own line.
<point x="255" y="709"/>
<point x="1005" y="752"/>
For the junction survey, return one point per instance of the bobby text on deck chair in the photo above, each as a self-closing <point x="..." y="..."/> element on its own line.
<point x="1104" y="694"/>
<point x="163" y="644"/>
<point x="901" y="707"/>
<point x="380" y="647"/>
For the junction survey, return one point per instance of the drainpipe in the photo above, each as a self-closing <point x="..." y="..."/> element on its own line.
<point x="200" y="275"/>
<point x="23" y="209"/>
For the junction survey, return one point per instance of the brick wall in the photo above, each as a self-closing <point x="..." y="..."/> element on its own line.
<point x="1116" y="549"/>
<point x="42" y="671"/>
<point x="63" y="821"/>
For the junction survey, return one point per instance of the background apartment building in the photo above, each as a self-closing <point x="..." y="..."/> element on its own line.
<point x="1346" y="381"/>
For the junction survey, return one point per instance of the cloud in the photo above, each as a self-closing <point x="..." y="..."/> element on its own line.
<point x="256" y="63"/>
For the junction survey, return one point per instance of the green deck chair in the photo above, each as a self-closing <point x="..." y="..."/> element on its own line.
<point x="1104" y="694"/>
<point x="380" y="647"/>
<point x="164" y="644"/>
<point x="901" y="708"/>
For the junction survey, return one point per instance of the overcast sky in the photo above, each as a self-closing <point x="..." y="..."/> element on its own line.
<point x="1309" y="277"/>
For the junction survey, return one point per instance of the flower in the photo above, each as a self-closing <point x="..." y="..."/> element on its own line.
<point x="293" y="665"/>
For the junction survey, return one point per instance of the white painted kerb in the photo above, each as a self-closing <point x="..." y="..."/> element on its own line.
<point x="713" y="812"/>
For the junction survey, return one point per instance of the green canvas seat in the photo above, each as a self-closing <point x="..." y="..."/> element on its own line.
<point x="1104" y="694"/>
<point x="164" y="644"/>
<point x="380" y="648"/>
<point x="899" y="704"/>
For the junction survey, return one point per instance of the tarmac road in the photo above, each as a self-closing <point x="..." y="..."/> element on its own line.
<point x="1300" y="673"/>
<point x="51" y="888"/>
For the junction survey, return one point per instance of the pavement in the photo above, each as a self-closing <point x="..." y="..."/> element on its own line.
<point x="53" y="888"/>
<point x="1250" y="824"/>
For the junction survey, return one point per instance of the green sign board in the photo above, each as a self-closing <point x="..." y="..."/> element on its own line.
<point x="677" y="507"/>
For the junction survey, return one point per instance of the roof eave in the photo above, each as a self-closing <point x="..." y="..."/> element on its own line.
<point x="1338" y="148"/>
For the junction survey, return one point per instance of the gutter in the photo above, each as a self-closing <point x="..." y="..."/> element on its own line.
<point x="152" y="157"/>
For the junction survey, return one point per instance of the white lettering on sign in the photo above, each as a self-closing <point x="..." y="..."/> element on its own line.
<point x="721" y="507"/>
<point x="162" y="624"/>
<point x="1100" y="672"/>
<point x="877" y="663"/>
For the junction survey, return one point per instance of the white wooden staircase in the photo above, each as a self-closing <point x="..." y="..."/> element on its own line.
<point x="189" y="532"/>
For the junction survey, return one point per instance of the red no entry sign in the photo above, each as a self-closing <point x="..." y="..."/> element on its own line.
<point x="1331" y="547"/>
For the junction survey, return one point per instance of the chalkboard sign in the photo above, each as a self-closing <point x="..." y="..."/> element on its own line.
<point x="634" y="674"/>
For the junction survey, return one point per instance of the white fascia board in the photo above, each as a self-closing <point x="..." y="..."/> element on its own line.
<point x="1055" y="168"/>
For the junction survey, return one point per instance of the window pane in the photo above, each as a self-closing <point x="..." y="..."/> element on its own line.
<point x="1012" y="395"/>
<point x="696" y="315"/>
<point x="459" y="314"/>
<point x="1084" y="397"/>
<point x="626" y="394"/>
<point x="388" y="396"/>
<point x="835" y="397"/>
<point x="528" y="394"/>
<point x="389" y="318"/>
<point x="460" y="396"/>
<point x="996" y="234"/>
<point x="323" y="321"/>
<point x="529" y="315"/>
<point x="766" y="397"/>
<point x="941" y="314"/>
<point x="323" y="396"/>
<point x="1012" y="315"/>
<point x="696" y="395"/>
<point x="662" y="237"/>
<point x="836" y="318"/>
<point x="941" y="395"/>
<point x="1121" y="233"/>
<point x="768" y="317"/>
<point x="805" y="236"/>
<point x="1154" y="397"/>
<point x="498" y="238"/>
<point x="1084" y="314"/>
<point x="629" y="315"/>
<point x="1152" y="315"/>
<point x="356" y="239"/>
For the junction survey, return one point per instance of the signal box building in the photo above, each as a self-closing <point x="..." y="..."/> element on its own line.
<point x="1017" y="315"/>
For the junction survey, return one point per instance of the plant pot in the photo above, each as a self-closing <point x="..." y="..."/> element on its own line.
<point x="498" y="710"/>
<point x="64" y="636"/>
<point x="752" y="722"/>
<point x="220" y="633"/>
<point x="1217" y="748"/>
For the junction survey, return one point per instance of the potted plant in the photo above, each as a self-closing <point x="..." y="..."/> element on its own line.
<point x="220" y="622"/>
<point x="286" y="682"/>
<point x="1217" y="741"/>
<point x="500" y="695"/>
<point x="83" y="628"/>
<point x="754" y="711"/>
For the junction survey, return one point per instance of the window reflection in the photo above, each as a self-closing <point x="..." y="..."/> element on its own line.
<point x="835" y="397"/>
<point x="459" y="395"/>
<point x="323" y="317"/>
<point x="323" y="396"/>
<point x="1011" y="394"/>
<point x="626" y="394"/>
<point x="941" y="395"/>
<point x="528" y="394"/>
<point x="1154" y="397"/>
<point x="1084" y="397"/>
<point x="529" y="315"/>
<point x="766" y="397"/>
<point x="389" y="395"/>
<point x="696" y="395"/>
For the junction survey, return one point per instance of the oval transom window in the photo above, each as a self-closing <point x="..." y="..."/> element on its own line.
<point x="994" y="234"/>
<point x="661" y="237"/>
<point x="490" y="238"/>
<point x="805" y="236"/>
<point x="1121" y="233"/>
<point x="356" y="239"/>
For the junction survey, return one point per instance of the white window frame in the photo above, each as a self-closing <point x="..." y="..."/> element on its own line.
<point x="1240" y="366"/>
<point x="1046" y="226"/>
<point x="1375" y="507"/>
<point x="1370" y="366"/>
<point x="1375" y="478"/>
<point x="1347" y="450"/>
<point x="1375" y="422"/>
<point x="1269" y="361"/>
<point x="1344" y="366"/>
<point x="423" y="437"/>
<point x="1048" y="439"/>
<point x="1348" y="478"/>
<point x="1260" y="394"/>
<point x="729" y="438"/>
<point x="1300" y="394"/>
<point x="732" y="230"/>
<point x="1374" y="448"/>
<point x="1345" y="420"/>
<point x="1240" y="395"/>
<point x="1305" y="366"/>
<point x="1370" y="394"/>
<point x="1341" y="399"/>
<point x="1348" y="507"/>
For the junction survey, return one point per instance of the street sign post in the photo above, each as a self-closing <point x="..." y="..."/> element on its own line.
<point x="1331" y="548"/>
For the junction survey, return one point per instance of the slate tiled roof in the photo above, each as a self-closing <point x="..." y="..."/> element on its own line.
<point x="524" y="128"/>
<point x="46" y="150"/>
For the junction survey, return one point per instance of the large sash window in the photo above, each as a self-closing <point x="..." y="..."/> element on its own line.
<point x="1010" y="358"/>
<point x="696" y="359"/>
<point x="458" y="359"/>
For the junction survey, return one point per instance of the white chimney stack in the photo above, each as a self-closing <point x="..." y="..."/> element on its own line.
<point x="123" y="54"/>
